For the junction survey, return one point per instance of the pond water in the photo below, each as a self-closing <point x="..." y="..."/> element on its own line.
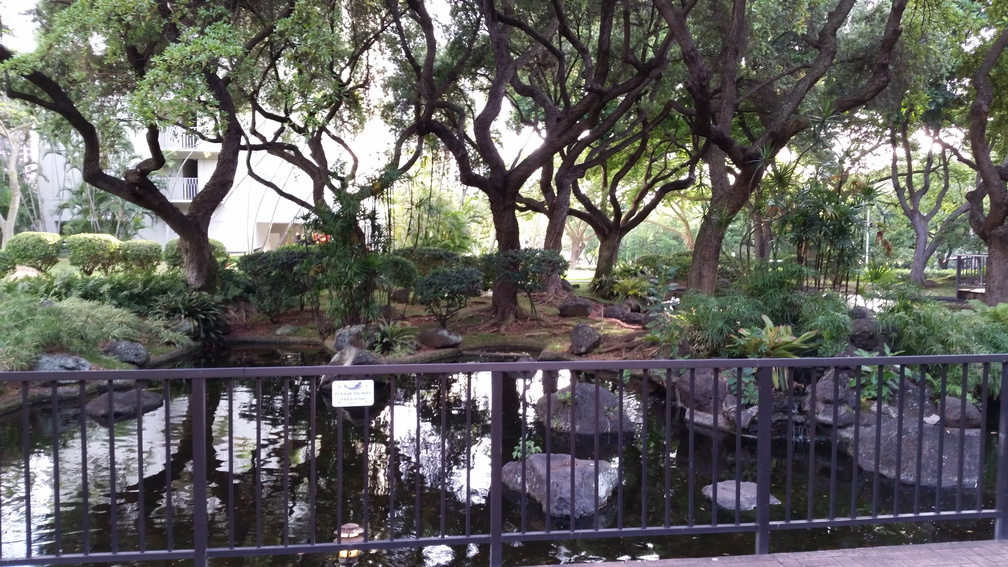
<point x="432" y="436"/>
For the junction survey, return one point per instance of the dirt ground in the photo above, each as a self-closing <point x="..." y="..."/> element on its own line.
<point x="546" y="329"/>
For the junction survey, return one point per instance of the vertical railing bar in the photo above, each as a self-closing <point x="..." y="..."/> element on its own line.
<point x="899" y="438"/>
<point x="621" y="409"/>
<point x="571" y="445"/>
<point x="834" y="442"/>
<point x="644" y="449"/>
<point x="444" y="451"/>
<point x="26" y="456"/>
<point x="496" y="464"/>
<point x="340" y="520"/>
<point x="962" y="437"/>
<point x="595" y="496"/>
<point x="548" y="427"/>
<point x="258" y="461"/>
<point x="231" y="459"/>
<point x="416" y="461"/>
<point x="141" y="507"/>
<point x="313" y="460"/>
<point x="366" y="444"/>
<point x="1001" y="490"/>
<point x="738" y="446"/>
<point x="285" y="484"/>
<point x="810" y="496"/>
<point x="393" y="458"/>
<point x="523" y="524"/>
<point x="366" y="449"/>
<point x="790" y="442"/>
<point x="985" y="402"/>
<point x="668" y="447"/>
<point x="469" y="447"/>
<point x="921" y="382"/>
<point x="715" y="446"/>
<point x="691" y="434"/>
<point x="941" y="436"/>
<point x="113" y="496"/>
<point x="857" y="445"/>
<point x="201" y="527"/>
<point x="85" y="489"/>
<point x="57" y="526"/>
<point x="169" y="501"/>
<point x="876" y="480"/>
<point x="764" y="460"/>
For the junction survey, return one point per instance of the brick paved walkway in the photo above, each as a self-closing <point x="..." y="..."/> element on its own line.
<point x="964" y="553"/>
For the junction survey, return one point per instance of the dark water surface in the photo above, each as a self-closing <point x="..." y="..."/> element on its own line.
<point x="441" y="440"/>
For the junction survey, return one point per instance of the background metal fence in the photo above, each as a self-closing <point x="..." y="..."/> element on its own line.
<point x="242" y="462"/>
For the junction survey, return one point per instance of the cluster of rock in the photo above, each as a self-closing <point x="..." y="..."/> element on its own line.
<point x="584" y="411"/>
<point x="910" y="432"/>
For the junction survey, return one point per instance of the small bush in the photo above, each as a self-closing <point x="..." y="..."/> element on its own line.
<point x="90" y="252"/>
<point x="197" y="314"/>
<point x="702" y="324"/>
<point x="274" y="278"/>
<point x="526" y="268"/>
<point x="778" y="287"/>
<point x="445" y="292"/>
<point x="39" y="250"/>
<point x="172" y="255"/>
<point x="139" y="255"/>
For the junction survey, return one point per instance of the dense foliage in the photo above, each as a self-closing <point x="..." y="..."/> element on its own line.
<point x="39" y="250"/>
<point x="445" y="291"/>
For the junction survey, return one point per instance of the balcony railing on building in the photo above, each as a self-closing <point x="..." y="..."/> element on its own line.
<point x="181" y="189"/>
<point x="175" y="138"/>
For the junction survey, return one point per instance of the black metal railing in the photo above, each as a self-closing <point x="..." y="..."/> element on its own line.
<point x="238" y="462"/>
<point x="971" y="275"/>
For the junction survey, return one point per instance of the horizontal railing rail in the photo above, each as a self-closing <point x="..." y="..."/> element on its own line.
<point x="196" y="464"/>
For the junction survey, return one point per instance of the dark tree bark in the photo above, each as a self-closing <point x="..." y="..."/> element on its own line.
<point x="517" y="48"/>
<point x="715" y="86"/>
<point x="989" y="201"/>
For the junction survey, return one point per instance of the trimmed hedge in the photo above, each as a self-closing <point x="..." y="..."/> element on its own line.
<point x="90" y="252"/>
<point x="39" y="250"/>
<point x="139" y="255"/>
<point x="427" y="260"/>
<point x="172" y="256"/>
<point x="276" y="280"/>
<point x="6" y="264"/>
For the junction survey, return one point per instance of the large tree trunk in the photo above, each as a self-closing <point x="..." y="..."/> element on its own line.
<point x="555" y="230"/>
<point x="996" y="290"/>
<point x="725" y="204"/>
<point x="608" y="253"/>
<point x="201" y="269"/>
<point x="505" y="294"/>
<point x="921" y="253"/>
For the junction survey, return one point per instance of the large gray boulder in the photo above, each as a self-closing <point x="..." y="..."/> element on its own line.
<point x="128" y="352"/>
<point x="866" y="333"/>
<point x="903" y="445"/>
<point x="957" y="414"/>
<point x="358" y="336"/>
<point x="111" y="407"/>
<point x="618" y="311"/>
<point x="584" y="339"/>
<point x="436" y="337"/>
<point x="576" y="412"/>
<point x="726" y="495"/>
<point x="349" y="356"/>
<point x="561" y="501"/>
<point x="705" y="391"/>
<point x="575" y="306"/>
<point x="61" y="363"/>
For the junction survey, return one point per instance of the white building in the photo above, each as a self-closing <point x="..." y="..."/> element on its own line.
<point x="251" y="217"/>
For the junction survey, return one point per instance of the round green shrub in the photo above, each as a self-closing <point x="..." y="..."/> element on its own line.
<point x="139" y="255"/>
<point x="90" y="252"/>
<point x="39" y="250"/>
<point x="172" y="256"/>
<point x="428" y="259"/>
<point x="6" y="264"/>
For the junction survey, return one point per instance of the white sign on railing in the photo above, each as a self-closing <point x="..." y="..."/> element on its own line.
<point x="352" y="393"/>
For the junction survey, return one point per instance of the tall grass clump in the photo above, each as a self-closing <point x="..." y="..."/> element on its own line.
<point x="826" y="313"/>
<point x="73" y="325"/>
<point x="701" y="325"/>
